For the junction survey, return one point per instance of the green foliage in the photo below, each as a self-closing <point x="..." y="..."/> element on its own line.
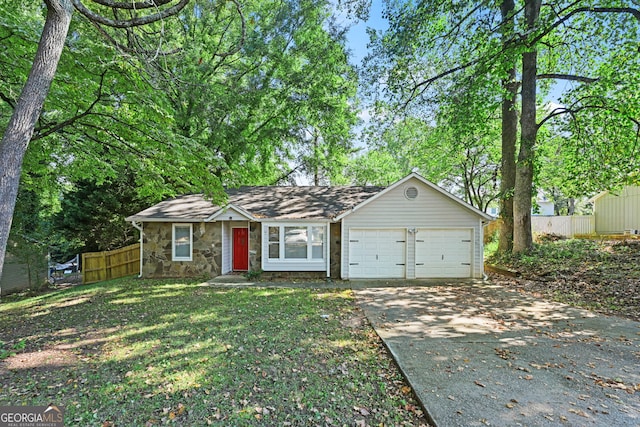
<point x="550" y="255"/>
<point x="444" y="63"/>
<point x="11" y="351"/>
<point x="185" y="105"/>
<point x="30" y="240"/>
<point x="92" y="216"/>
<point x="267" y="109"/>
<point x="253" y="274"/>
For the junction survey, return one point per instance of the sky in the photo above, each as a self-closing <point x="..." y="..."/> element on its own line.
<point x="357" y="37"/>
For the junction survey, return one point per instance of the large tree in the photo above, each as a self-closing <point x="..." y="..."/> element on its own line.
<point x="27" y="108"/>
<point x="434" y="50"/>
<point x="283" y="101"/>
<point x="233" y="100"/>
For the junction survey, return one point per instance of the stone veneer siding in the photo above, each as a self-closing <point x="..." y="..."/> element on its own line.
<point x="335" y="249"/>
<point x="255" y="246"/>
<point x="207" y="251"/>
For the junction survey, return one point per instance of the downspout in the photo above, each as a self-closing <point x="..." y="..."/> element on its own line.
<point x="138" y="226"/>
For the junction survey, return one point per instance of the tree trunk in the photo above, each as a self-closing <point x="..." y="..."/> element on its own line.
<point x="27" y="111"/>
<point x="571" y="208"/>
<point x="509" y="138"/>
<point x="522" y="235"/>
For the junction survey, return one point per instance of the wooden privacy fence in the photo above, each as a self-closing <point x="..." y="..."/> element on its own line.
<point x="99" y="266"/>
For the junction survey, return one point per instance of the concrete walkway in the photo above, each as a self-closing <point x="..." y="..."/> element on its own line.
<point x="478" y="354"/>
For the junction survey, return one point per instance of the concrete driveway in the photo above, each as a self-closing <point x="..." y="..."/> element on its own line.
<point x="478" y="354"/>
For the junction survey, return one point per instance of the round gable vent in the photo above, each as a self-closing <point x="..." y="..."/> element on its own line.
<point x="411" y="193"/>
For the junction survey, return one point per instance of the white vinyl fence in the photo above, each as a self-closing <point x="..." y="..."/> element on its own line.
<point x="567" y="226"/>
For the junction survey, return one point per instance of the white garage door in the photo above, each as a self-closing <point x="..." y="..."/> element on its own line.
<point x="443" y="253"/>
<point x="377" y="253"/>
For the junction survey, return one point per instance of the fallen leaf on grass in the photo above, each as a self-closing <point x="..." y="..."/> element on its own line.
<point x="579" y="412"/>
<point x="362" y="411"/>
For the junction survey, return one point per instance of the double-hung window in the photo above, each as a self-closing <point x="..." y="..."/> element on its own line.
<point x="182" y="242"/>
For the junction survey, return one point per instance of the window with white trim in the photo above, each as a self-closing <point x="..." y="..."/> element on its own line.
<point x="182" y="242"/>
<point x="296" y="242"/>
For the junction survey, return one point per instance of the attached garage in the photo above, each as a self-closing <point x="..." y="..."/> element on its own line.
<point x="412" y="230"/>
<point x="444" y="253"/>
<point x="377" y="253"/>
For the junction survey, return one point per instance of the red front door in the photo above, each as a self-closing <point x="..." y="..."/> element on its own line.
<point x="241" y="249"/>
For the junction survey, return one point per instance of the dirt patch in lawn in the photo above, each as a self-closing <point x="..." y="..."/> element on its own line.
<point x="603" y="276"/>
<point x="42" y="360"/>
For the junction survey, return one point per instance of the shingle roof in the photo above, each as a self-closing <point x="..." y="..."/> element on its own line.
<point x="264" y="203"/>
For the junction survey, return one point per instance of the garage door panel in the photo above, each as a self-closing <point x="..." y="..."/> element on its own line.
<point x="443" y="253"/>
<point x="376" y="253"/>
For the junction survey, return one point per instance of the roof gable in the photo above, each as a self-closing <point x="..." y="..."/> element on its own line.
<point x="427" y="183"/>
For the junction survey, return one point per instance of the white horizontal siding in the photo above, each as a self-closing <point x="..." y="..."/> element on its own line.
<point x="226" y="248"/>
<point x="429" y="209"/>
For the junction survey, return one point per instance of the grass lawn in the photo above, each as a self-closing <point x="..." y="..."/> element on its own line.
<point x="142" y="353"/>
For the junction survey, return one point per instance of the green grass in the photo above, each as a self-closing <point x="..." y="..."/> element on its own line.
<point x="133" y="352"/>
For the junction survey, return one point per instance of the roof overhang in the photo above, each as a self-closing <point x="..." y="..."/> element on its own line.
<point x="135" y="218"/>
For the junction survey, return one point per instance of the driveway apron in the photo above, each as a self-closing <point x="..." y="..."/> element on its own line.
<point x="479" y="354"/>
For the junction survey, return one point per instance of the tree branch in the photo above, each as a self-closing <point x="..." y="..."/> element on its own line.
<point x="128" y="49"/>
<point x="55" y="128"/>
<point x="627" y="10"/>
<point x="567" y="77"/>
<point x="573" y="111"/>
<point x="421" y="86"/>
<point x="243" y="34"/>
<point x="147" y="4"/>
<point x="8" y="100"/>
<point x="133" y="22"/>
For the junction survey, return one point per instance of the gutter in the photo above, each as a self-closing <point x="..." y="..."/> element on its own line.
<point x="138" y="226"/>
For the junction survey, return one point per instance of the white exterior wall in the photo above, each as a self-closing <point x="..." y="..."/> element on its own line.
<point x="226" y="248"/>
<point x="429" y="209"/>
<point x="617" y="213"/>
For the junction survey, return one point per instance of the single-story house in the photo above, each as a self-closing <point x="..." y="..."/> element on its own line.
<point x="619" y="212"/>
<point x="410" y="229"/>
